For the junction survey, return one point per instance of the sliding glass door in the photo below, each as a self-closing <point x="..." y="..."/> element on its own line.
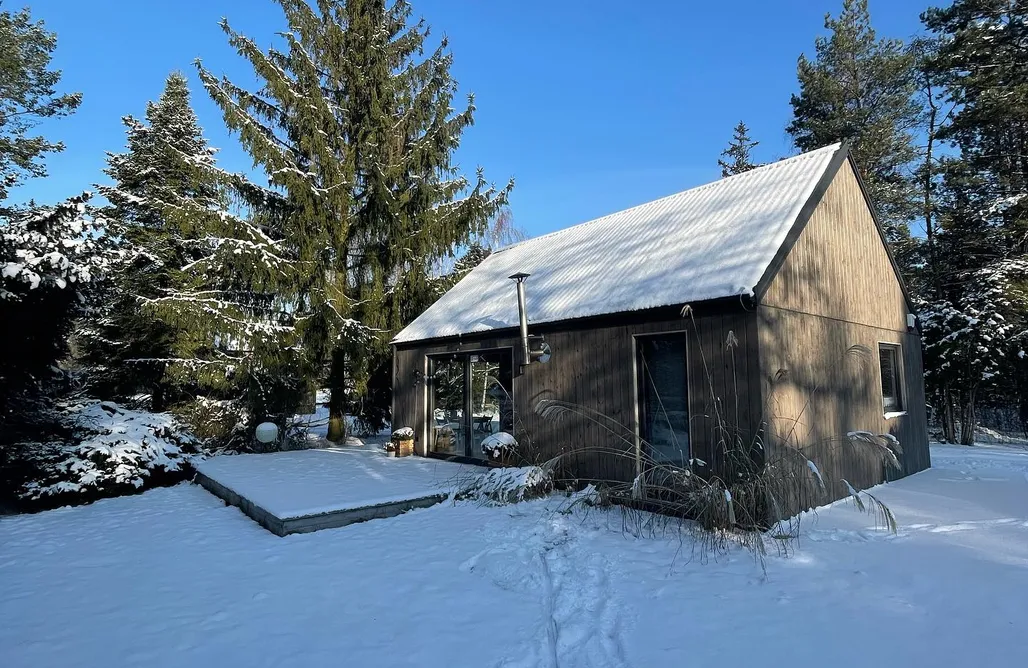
<point x="470" y="398"/>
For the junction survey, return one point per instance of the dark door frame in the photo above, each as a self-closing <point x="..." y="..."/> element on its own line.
<point x="640" y="393"/>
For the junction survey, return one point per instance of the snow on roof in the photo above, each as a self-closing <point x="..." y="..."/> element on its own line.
<point x="716" y="240"/>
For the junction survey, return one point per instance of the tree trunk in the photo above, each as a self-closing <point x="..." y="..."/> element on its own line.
<point x="337" y="398"/>
<point x="967" y="418"/>
<point x="949" y="429"/>
<point x="158" y="401"/>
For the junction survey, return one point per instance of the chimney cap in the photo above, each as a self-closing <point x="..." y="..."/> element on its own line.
<point x="520" y="276"/>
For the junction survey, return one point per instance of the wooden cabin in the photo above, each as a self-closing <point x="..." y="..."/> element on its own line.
<point x="768" y="300"/>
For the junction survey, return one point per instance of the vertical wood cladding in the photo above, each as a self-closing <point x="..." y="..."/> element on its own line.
<point x="835" y="298"/>
<point x="594" y="366"/>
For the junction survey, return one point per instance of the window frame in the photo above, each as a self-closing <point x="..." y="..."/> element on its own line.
<point x="639" y="393"/>
<point x="899" y="386"/>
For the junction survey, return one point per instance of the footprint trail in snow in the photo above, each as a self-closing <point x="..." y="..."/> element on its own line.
<point x="580" y="621"/>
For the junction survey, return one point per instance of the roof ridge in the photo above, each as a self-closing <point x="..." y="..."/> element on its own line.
<point x="700" y="187"/>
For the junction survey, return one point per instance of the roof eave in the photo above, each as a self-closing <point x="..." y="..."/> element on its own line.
<point x="744" y="301"/>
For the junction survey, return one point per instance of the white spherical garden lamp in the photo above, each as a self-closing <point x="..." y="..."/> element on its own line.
<point x="267" y="432"/>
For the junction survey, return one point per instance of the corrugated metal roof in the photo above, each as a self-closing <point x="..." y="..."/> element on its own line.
<point x="712" y="241"/>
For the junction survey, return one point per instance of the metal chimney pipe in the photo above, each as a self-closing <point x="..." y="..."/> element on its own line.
<point x="519" y="279"/>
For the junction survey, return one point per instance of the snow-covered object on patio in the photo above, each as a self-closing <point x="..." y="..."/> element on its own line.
<point x="713" y="241"/>
<point x="402" y="442"/>
<point x="498" y="444"/>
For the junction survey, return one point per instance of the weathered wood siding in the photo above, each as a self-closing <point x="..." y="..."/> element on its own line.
<point x="835" y="298"/>
<point x="593" y="365"/>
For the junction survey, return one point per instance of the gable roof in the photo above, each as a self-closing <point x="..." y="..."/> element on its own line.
<point x="716" y="240"/>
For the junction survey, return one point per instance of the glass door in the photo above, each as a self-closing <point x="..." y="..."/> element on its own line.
<point x="446" y="405"/>
<point x="664" y="397"/>
<point x="470" y="398"/>
<point x="492" y="403"/>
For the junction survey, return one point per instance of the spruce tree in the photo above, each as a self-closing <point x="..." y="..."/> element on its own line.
<point x="236" y="309"/>
<point x="736" y="158"/>
<point x="358" y="134"/>
<point x="860" y="89"/>
<point x="128" y="348"/>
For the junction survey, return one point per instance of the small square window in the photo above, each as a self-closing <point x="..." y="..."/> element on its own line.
<point x="892" y="386"/>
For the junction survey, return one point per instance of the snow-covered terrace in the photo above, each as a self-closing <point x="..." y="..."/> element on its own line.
<point x="308" y="490"/>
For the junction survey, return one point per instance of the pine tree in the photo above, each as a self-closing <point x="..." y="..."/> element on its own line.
<point x="976" y="314"/>
<point x="128" y="348"/>
<point x="359" y="135"/>
<point x="736" y="158"/>
<point x="928" y="176"/>
<point x="27" y="96"/>
<point x="860" y="89"/>
<point x="984" y="54"/>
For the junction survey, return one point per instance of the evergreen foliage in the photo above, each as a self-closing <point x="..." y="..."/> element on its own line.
<point x="27" y="95"/>
<point x="736" y="159"/>
<point x="128" y="348"/>
<point x="860" y="89"/>
<point x="50" y="256"/>
<point x="975" y="303"/>
<point x="357" y="133"/>
<point x="233" y="302"/>
<point x="49" y="259"/>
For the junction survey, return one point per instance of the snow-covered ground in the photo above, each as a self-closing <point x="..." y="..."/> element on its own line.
<point x="173" y="577"/>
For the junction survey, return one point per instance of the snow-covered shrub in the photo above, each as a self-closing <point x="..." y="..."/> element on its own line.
<point x="48" y="256"/>
<point x="507" y="485"/>
<point x="51" y="247"/>
<point x="218" y="422"/>
<point x="113" y="450"/>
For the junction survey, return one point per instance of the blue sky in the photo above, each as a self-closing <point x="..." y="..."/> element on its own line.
<point x="591" y="106"/>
